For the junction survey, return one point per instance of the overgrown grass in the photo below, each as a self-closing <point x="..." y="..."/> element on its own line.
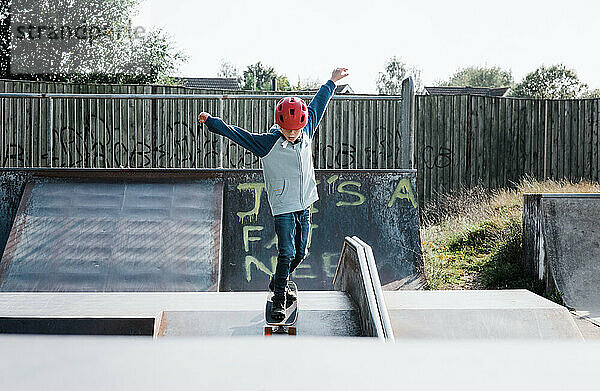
<point x="473" y="239"/>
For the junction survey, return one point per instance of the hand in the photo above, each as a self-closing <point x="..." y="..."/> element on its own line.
<point x="338" y="74"/>
<point x="203" y="116"/>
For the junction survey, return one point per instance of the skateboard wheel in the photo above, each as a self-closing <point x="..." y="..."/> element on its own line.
<point x="292" y="331"/>
<point x="268" y="331"/>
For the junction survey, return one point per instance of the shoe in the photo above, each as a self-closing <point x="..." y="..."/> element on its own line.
<point x="290" y="295"/>
<point x="278" y="309"/>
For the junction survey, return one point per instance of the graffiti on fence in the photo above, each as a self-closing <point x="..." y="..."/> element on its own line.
<point x="239" y="157"/>
<point x="13" y="152"/>
<point x="343" y="157"/>
<point x="436" y="159"/>
<point x="97" y="143"/>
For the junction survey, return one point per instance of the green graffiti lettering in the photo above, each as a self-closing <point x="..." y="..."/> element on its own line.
<point x="250" y="260"/>
<point x="272" y="242"/>
<point x="247" y="238"/>
<point x="303" y="267"/>
<point x="329" y="266"/>
<point x="310" y="233"/>
<point x="341" y="189"/>
<point x="257" y="188"/>
<point x="331" y="182"/>
<point x="403" y="190"/>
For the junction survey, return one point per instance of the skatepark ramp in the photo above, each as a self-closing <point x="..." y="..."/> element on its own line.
<point x="353" y="310"/>
<point x="189" y="252"/>
<point x="561" y="243"/>
<point x="419" y="314"/>
<point x="141" y="230"/>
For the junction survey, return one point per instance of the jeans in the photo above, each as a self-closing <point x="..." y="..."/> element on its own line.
<point x="292" y="238"/>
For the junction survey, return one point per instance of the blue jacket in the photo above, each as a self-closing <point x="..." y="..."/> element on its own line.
<point x="287" y="168"/>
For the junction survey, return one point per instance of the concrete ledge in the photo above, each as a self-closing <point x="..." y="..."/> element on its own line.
<point x="311" y="323"/>
<point x="170" y="314"/>
<point x="588" y="327"/>
<point x="503" y="314"/>
<point x="152" y="303"/>
<point x="561" y="248"/>
<point x="128" y="363"/>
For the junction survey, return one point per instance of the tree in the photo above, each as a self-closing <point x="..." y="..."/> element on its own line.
<point x="4" y="39"/>
<point x="283" y="84"/>
<point x="87" y="41"/>
<point x="260" y="77"/>
<point x="229" y="70"/>
<point x="474" y="76"/>
<point x="307" y="84"/>
<point x="591" y="94"/>
<point x="389" y="82"/>
<point x="553" y="82"/>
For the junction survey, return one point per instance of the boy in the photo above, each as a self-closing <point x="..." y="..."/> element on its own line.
<point x="286" y="156"/>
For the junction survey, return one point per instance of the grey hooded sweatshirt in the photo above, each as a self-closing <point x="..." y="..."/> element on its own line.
<point x="287" y="167"/>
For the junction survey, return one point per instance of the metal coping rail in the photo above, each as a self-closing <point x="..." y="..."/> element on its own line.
<point x="367" y="284"/>
<point x="370" y="291"/>
<point x="382" y="307"/>
<point x="187" y="96"/>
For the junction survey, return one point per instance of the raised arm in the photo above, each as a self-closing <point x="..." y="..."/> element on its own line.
<point x="318" y="104"/>
<point x="258" y="144"/>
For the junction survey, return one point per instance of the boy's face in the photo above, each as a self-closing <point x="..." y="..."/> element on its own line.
<point x="291" y="135"/>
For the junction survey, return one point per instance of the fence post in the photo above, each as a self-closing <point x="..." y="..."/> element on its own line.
<point x="154" y="125"/>
<point x="49" y="145"/>
<point x="221" y="103"/>
<point x="545" y="138"/>
<point x="407" y="125"/>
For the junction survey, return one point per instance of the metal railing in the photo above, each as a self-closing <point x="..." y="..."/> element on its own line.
<point x="161" y="130"/>
<point x="378" y="290"/>
<point x="357" y="276"/>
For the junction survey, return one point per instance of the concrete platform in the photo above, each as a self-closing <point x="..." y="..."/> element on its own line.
<point x="589" y="329"/>
<point x="127" y="363"/>
<point x="561" y="242"/>
<point x="174" y="314"/>
<point x="506" y="314"/>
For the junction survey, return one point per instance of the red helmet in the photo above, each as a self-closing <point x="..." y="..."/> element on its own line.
<point x="291" y="113"/>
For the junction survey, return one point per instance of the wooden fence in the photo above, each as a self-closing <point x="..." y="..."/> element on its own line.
<point x="356" y="132"/>
<point x="466" y="140"/>
<point x="459" y="141"/>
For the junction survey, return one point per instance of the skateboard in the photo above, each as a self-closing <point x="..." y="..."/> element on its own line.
<point x="285" y="326"/>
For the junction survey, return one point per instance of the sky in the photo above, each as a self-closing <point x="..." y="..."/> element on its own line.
<point x="307" y="39"/>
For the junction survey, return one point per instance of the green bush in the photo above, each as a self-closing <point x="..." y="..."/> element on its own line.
<point x="472" y="239"/>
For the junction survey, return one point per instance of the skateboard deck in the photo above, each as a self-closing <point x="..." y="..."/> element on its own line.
<point x="285" y="326"/>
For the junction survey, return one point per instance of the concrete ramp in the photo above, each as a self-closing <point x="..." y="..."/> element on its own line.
<point x="166" y="230"/>
<point x="379" y="206"/>
<point x="226" y="314"/>
<point x="507" y="314"/>
<point x="562" y="248"/>
<point x="322" y="314"/>
<point x="89" y="236"/>
<point x="159" y="231"/>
